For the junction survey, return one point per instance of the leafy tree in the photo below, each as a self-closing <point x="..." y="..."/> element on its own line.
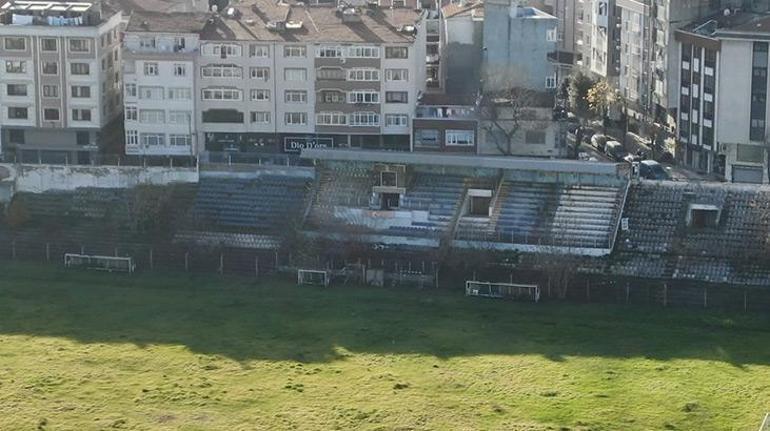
<point x="601" y="97"/>
<point x="579" y="85"/>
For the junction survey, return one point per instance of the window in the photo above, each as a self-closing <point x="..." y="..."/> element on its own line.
<point x="330" y="119"/>
<point x="50" y="91"/>
<point x="294" y="74"/>
<point x="331" y="73"/>
<point x="222" y="94"/>
<point x="179" y="117"/>
<point x="363" y="75"/>
<point x="262" y="51"/>
<point x="260" y="95"/>
<point x="295" y="118"/>
<point x="153" y="139"/>
<point x="151" y="93"/>
<point x="15" y="43"/>
<point x="177" y="140"/>
<point x="147" y="42"/>
<point x="550" y="81"/>
<point x="49" y="45"/>
<point x="50" y="68"/>
<point x="396" y="120"/>
<point x="396" y="74"/>
<point x="51" y="114"/>
<point x="180" y="69"/>
<point x="332" y="96"/>
<point x="261" y="73"/>
<point x="329" y="52"/>
<point x="426" y="138"/>
<point x="12" y="66"/>
<point x="16" y="89"/>
<point x="131" y="113"/>
<point x="225" y="50"/>
<point x="221" y="71"/>
<point x="152" y="116"/>
<point x="536" y="137"/>
<point x="80" y="91"/>
<point x="294" y="51"/>
<point x="459" y="137"/>
<point x="179" y="93"/>
<point x="79" y="45"/>
<point x="295" y="96"/>
<point x="179" y="44"/>
<point x="365" y="96"/>
<point x="260" y="117"/>
<point x="396" y="52"/>
<point x="80" y="68"/>
<point x="552" y="35"/>
<point x="364" y="52"/>
<point x="150" y="69"/>
<point x="132" y="138"/>
<point x="364" y="119"/>
<point x="396" y="97"/>
<point x="17" y="113"/>
<point x="130" y="90"/>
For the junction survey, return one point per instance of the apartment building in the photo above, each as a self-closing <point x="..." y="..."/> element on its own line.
<point x="60" y="78"/>
<point x="160" y="52"/>
<point x="722" y="99"/>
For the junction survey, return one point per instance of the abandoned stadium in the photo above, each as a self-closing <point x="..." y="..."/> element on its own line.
<point x="577" y="230"/>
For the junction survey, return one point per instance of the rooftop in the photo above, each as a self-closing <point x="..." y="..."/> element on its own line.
<point x="157" y="22"/>
<point x="731" y="23"/>
<point x="457" y="9"/>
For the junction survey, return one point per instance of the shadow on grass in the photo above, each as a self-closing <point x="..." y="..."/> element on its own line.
<point x="244" y="320"/>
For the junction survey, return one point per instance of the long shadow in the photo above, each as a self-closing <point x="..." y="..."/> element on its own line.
<point x="243" y="320"/>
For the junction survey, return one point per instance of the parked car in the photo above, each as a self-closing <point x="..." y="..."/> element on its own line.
<point x="652" y="170"/>
<point x="588" y="133"/>
<point x="599" y="141"/>
<point x="615" y="151"/>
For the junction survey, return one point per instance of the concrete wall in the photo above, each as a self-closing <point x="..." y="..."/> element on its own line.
<point x="40" y="178"/>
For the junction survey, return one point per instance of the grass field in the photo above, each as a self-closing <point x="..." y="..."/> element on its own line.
<point x="85" y="351"/>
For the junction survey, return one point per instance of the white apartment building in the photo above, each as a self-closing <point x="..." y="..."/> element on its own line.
<point x="60" y="80"/>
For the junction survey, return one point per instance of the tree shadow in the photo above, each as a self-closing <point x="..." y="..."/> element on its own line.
<point x="244" y="321"/>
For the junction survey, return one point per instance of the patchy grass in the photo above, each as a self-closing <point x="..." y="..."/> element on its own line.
<point x="84" y="351"/>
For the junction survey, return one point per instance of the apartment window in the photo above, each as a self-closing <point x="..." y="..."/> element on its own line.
<point x="332" y="96"/>
<point x="180" y="69"/>
<point x="147" y="42"/>
<point x="222" y="94"/>
<point x="80" y="91"/>
<point x="151" y="93"/>
<point x="364" y="119"/>
<point x="331" y="119"/>
<point x="364" y="52"/>
<point x="221" y="71"/>
<point x="132" y="137"/>
<point x="13" y="66"/>
<point x="79" y="45"/>
<point x="363" y="75"/>
<point x="295" y="118"/>
<point x="51" y="114"/>
<point x="262" y="51"/>
<point x="261" y="73"/>
<point x="294" y="51"/>
<point x="295" y="74"/>
<point x="295" y="96"/>
<point x="80" y="68"/>
<point x="51" y="91"/>
<point x="16" y="89"/>
<point x="331" y="73"/>
<point x="130" y="90"/>
<point x="49" y="45"/>
<point x="396" y="97"/>
<point x="260" y="117"/>
<point x="17" y="113"/>
<point x="366" y="96"/>
<point x="153" y="139"/>
<point x="396" y="74"/>
<point x="396" y="52"/>
<point x="226" y="50"/>
<point x="396" y="120"/>
<point x="552" y="35"/>
<point x="329" y="52"/>
<point x="179" y="44"/>
<point x="462" y="138"/>
<point x="179" y="93"/>
<point x="50" y="68"/>
<point x="150" y="69"/>
<point x="152" y="116"/>
<point x="535" y="137"/>
<point x="179" y="117"/>
<point x="260" y="95"/>
<point x="178" y="140"/>
<point x="550" y="81"/>
<point x="758" y="91"/>
<point x="131" y="113"/>
<point x="15" y="43"/>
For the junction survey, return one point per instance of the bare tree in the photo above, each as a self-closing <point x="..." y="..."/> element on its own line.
<point x="505" y="114"/>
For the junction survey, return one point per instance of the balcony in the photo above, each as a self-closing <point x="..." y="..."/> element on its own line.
<point x="49" y="13"/>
